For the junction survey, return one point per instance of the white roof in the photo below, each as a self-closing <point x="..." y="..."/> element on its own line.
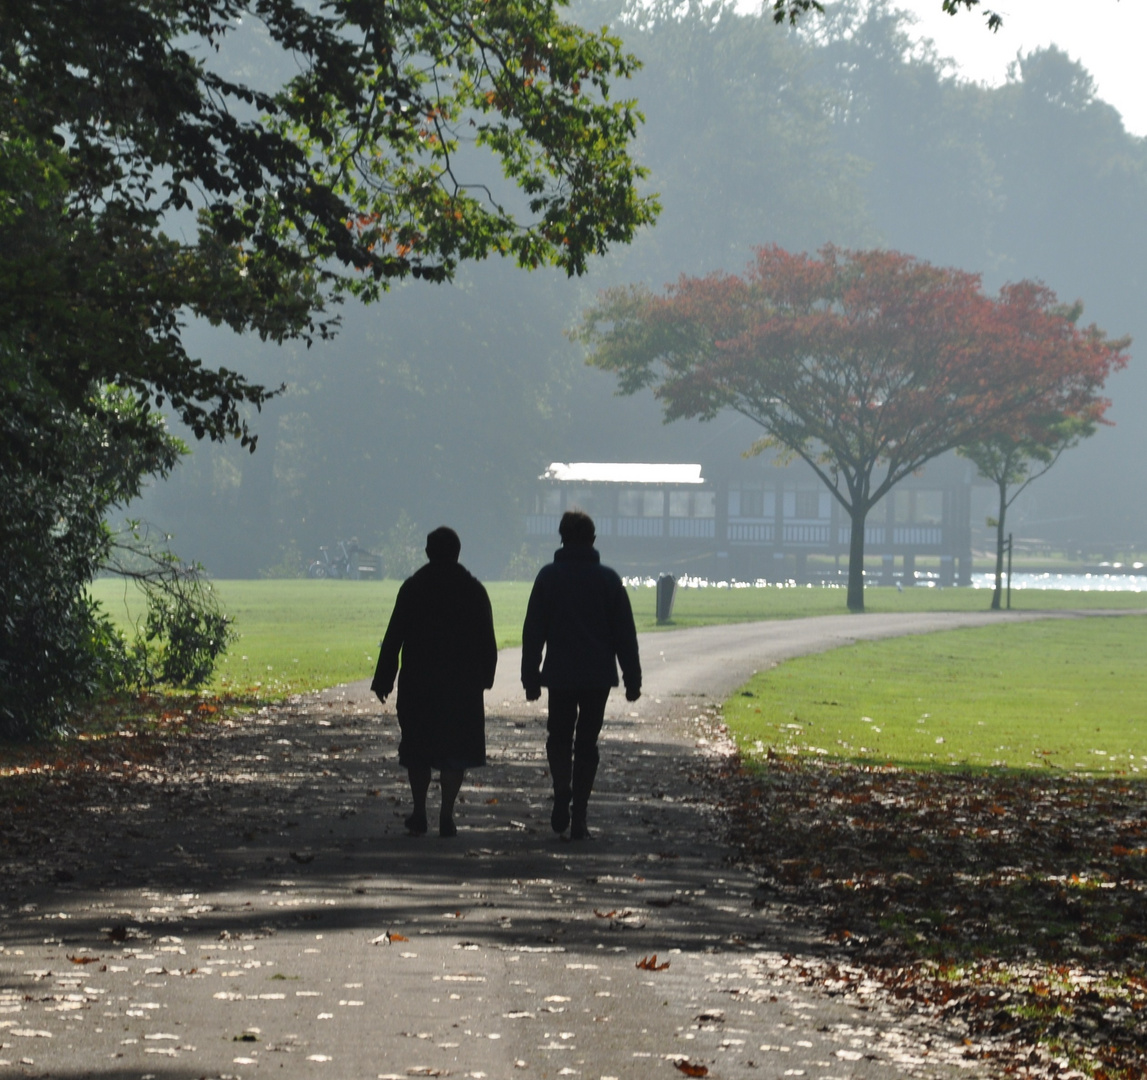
<point x="622" y="472"/>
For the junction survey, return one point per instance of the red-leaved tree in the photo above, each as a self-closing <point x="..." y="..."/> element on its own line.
<point x="864" y="364"/>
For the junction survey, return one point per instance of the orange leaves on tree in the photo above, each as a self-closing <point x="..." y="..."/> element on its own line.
<point x="864" y="364"/>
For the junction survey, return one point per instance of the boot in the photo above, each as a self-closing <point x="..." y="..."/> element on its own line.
<point x="583" y="777"/>
<point x="419" y="783"/>
<point x="560" y="773"/>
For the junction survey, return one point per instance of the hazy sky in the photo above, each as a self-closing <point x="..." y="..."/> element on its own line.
<point x="1108" y="36"/>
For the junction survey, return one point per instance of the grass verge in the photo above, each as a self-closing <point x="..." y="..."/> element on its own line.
<point x="296" y="636"/>
<point x="1062" y="694"/>
<point x="998" y="879"/>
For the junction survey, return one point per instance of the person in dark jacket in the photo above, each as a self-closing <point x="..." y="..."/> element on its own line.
<point x="579" y="612"/>
<point x="444" y="629"/>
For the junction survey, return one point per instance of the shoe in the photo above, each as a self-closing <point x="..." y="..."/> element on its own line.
<point x="447" y="828"/>
<point x="560" y="817"/>
<point x="579" y="831"/>
<point x="416" y="824"/>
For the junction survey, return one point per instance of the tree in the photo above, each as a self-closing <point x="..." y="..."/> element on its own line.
<point x="1016" y="458"/>
<point x="792" y="10"/>
<point x="148" y="181"/>
<point x="852" y="361"/>
<point x="362" y="168"/>
<point x="56" y="648"/>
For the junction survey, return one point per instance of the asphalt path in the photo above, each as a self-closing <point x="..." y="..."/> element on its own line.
<point x="255" y="908"/>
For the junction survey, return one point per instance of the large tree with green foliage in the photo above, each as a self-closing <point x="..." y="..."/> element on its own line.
<point x="199" y="193"/>
<point x="146" y="184"/>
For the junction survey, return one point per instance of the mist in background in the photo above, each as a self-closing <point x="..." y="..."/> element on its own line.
<point x="442" y="404"/>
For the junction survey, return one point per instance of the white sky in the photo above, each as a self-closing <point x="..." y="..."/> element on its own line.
<point x="1107" y="36"/>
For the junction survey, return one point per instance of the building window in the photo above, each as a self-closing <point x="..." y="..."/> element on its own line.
<point x="808" y="504"/>
<point x="704" y="504"/>
<point x="692" y="504"/>
<point x="916" y="507"/>
<point x="629" y="503"/>
<point x="746" y="502"/>
<point x="638" y="502"/>
<point x="595" y="503"/>
<point x="929" y="507"/>
<point x="549" y="501"/>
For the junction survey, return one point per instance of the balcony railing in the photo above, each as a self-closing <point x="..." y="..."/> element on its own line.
<point x="918" y="536"/>
<point x="793" y="533"/>
<point x="751" y="532"/>
<point x="643" y="527"/>
<point x="692" y="528"/>
<point x="873" y="534"/>
<point x="806" y="533"/>
<point x="542" y="524"/>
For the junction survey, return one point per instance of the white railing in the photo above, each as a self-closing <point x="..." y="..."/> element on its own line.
<point x="542" y="524"/>
<point x="873" y="534"/>
<point x="918" y="535"/>
<point x="627" y="526"/>
<point x="692" y="528"/>
<point x="745" y="532"/>
<point x="806" y="534"/>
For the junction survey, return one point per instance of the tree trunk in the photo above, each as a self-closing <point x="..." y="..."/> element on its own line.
<point x="1000" y="515"/>
<point x="856" y="559"/>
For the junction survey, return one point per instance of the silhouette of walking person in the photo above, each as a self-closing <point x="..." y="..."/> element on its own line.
<point x="579" y="613"/>
<point x="444" y="629"/>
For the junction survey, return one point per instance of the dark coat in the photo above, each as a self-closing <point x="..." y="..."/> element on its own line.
<point x="579" y="611"/>
<point x="443" y="626"/>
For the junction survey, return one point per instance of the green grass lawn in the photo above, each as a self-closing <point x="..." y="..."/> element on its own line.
<point x="305" y="635"/>
<point x="1057" y="695"/>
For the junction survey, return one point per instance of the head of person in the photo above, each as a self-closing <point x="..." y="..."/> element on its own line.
<point x="443" y="545"/>
<point x="576" y="527"/>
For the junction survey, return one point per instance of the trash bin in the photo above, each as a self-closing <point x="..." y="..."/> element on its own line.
<point x="666" y="594"/>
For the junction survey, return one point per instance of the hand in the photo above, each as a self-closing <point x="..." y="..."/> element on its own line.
<point x="381" y="696"/>
<point x="632" y="693"/>
<point x="533" y="693"/>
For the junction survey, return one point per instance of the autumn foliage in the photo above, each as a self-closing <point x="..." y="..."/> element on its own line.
<point x="865" y="364"/>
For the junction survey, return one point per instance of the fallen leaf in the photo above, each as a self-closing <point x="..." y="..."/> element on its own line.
<point x="690" y="1069"/>
<point x="649" y="963"/>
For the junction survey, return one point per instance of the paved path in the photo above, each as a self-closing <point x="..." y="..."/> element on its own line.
<point x="235" y="906"/>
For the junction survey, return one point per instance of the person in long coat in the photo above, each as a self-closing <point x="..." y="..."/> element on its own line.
<point x="443" y="628"/>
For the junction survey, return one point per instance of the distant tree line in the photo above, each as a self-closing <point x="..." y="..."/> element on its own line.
<point x="445" y="404"/>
